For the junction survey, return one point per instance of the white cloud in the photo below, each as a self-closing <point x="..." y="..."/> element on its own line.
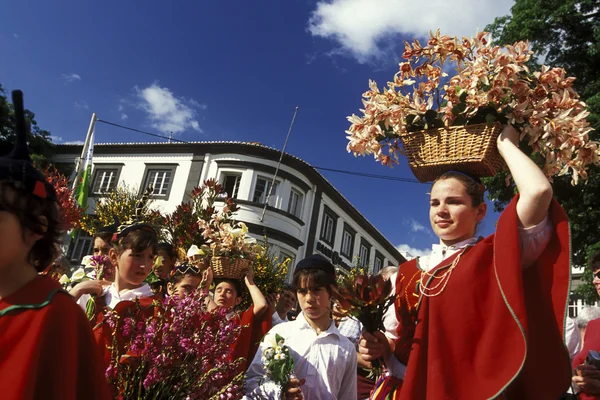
<point x="120" y="107"/>
<point x="81" y="104"/>
<point x="71" y="77"/>
<point x="416" y="226"/>
<point x="361" y="27"/>
<point x="166" y="112"/>
<point x="16" y="35"/>
<point x="77" y="142"/>
<point x="407" y="251"/>
<point x="56" y="139"/>
<point x="124" y="116"/>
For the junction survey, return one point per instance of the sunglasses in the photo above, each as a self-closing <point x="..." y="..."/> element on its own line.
<point x="597" y="275"/>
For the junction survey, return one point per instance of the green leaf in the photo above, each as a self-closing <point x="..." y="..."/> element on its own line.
<point x="463" y="97"/>
<point x="431" y="115"/>
<point x="490" y="119"/>
<point x="459" y="108"/>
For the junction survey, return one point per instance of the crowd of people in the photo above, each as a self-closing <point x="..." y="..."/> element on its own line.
<point x="477" y="318"/>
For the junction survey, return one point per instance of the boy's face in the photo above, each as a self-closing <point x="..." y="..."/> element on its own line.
<point x="226" y="295"/>
<point x="596" y="280"/>
<point x="101" y="248"/>
<point x="286" y="300"/>
<point x="133" y="268"/>
<point x="186" y="286"/>
<point x="314" y="302"/>
<point x="164" y="269"/>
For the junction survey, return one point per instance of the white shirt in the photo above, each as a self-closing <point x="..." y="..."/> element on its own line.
<point x="276" y="319"/>
<point x="113" y="297"/>
<point x="532" y="242"/>
<point x="327" y="361"/>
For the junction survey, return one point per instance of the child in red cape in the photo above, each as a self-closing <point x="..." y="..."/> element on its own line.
<point x="47" y="350"/>
<point x="255" y="321"/>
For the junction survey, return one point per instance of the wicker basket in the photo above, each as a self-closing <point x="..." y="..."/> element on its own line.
<point x="224" y="267"/>
<point x="469" y="149"/>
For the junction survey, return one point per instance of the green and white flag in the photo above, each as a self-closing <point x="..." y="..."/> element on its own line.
<point x="83" y="187"/>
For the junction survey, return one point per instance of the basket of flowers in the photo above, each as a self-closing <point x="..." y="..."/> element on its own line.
<point x="441" y="122"/>
<point x="232" y="250"/>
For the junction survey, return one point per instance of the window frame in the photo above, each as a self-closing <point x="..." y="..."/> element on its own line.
<point x="352" y="233"/>
<point x="89" y="245"/>
<point x="98" y="169"/>
<point x="159" y="167"/>
<point x="299" y="203"/>
<point x="378" y="257"/>
<point x="361" y="261"/>
<point x="328" y="212"/>
<point x="225" y="175"/>
<point x="274" y="193"/>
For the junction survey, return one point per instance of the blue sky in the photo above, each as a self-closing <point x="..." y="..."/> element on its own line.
<point x="232" y="70"/>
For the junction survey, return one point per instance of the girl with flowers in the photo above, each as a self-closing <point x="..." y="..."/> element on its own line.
<point x="482" y="318"/>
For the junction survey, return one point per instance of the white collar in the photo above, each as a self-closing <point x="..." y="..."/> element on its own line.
<point x="304" y="324"/>
<point x="130" y="294"/>
<point x="440" y="248"/>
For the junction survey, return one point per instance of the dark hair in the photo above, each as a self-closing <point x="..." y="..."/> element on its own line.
<point x="137" y="240"/>
<point x="236" y="284"/>
<point x="28" y="209"/>
<point x="287" y="288"/>
<point x="106" y="236"/>
<point x="167" y="249"/>
<point x="177" y="277"/>
<point x="313" y="278"/>
<point x="594" y="261"/>
<point x="473" y="186"/>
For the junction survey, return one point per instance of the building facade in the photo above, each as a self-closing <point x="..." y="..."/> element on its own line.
<point x="304" y="215"/>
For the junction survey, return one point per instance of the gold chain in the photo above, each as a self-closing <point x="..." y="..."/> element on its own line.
<point x="443" y="279"/>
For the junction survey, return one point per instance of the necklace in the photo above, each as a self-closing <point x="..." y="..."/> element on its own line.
<point x="439" y="282"/>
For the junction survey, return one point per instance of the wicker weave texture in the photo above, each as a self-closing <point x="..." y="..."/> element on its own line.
<point x="225" y="267"/>
<point x="469" y="149"/>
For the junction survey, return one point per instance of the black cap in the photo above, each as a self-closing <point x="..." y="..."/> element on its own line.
<point x="316" y="261"/>
<point x="16" y="167"/>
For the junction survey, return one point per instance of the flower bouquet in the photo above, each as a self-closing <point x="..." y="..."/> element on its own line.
<point x="278" y="364"/>
<point x="270" y="274"/>
<point x="442" y="123"/>
<point x="174" y="349"/>
<point x="70" y="211"/>
<point x="102" y="269"/>
<point x="233" y="250"/>
<point x="192" y="223"/>
<point x="366" y="298"/>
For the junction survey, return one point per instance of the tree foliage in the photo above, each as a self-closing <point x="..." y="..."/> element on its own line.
<point x="40" y="140"/>
<point x="563" y="33"/>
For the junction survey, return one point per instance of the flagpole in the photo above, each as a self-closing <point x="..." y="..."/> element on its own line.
<point x="86" y="144"/>
<point x="262" y="217"/>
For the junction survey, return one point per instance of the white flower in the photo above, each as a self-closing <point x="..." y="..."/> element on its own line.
<point x="78" y="275"/>
<point x="278" y="349"/>
<point x="195" y="251"/>
<point x="64" y="280"/>
<point x="86" y="261"/>
<point x="280" y="343"/>
<point x="269" y="340"/>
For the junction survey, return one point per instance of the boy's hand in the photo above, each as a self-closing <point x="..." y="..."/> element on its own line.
<point x="249" y="276"/>
<point x="371" y="346"/>
<point x="207" y="278"/>
<point x="293" y="391"/>
<point x="271" y="302"/>
<point x="587" y="379"/>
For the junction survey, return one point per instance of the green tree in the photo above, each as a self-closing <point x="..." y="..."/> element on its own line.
<point x="40" y="141"/>
<point x="563" y="33"/>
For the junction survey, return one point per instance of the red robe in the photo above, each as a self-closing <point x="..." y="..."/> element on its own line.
<point x="47" y="350"/>
<point x="591" y="342"/>
<point x="496" y="328"/>
<point x="252" y="332"/>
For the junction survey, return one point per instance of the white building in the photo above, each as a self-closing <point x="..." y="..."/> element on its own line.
<point x="305" y="214"/>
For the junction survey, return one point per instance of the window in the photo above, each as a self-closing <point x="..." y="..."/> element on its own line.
<point x="261" y="191"/>
<point x="160" y="177"/>
<point x="328" y="226"/>
<point x="232" y="184"/>
<point x="105" y="179"/>
<point x="348" y="241"/>
<point x="378" y="264"/>
<point x="363" y="254"/>
<point x="295" y="204"/>
<point x="83" y="247"/>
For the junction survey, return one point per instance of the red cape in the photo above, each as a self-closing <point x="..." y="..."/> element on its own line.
<point x="591" y="342"/>
<point x="252" y="332"/>
<point x="46" y="346"/>
<point x="495" y="328"/>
